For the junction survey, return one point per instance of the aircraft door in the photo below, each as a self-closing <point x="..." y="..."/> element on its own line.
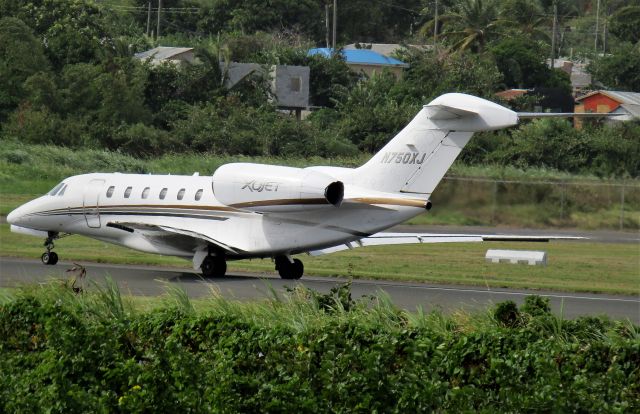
<point x="91" y="203"/>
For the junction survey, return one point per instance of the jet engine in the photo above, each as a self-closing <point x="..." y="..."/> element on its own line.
<point x="271" y="188"/>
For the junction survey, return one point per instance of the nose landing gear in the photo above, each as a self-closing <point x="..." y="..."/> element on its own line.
<point x="289" y="268"/>
<point x="49" y="257"/>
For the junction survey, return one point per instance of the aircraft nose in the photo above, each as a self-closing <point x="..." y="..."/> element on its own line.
<point x="13" y="217"/>
<point x="17" y="216"/>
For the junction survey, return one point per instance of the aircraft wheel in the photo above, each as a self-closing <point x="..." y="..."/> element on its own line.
<point x="213" y="267"/>
<point x="54" y="258"/>
<point x="298" y="268"/>
<point x="49" y="258"/>
<point x="288" y="270"/>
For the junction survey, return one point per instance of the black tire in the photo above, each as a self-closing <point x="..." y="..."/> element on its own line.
<point x="213" y="267"/>
<point x="53" y="258"/>
<point x="288" y="270"/>
<point x="219" y="267"/>
<point x="297" y="269"/>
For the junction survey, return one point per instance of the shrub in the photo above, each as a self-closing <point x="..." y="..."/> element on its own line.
<point x="535" y="305"/>
<point x="62" y="352"/>
<point x="506" y="314"/>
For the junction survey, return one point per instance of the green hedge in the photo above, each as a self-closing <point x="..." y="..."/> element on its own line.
<point x="312" y="353"/>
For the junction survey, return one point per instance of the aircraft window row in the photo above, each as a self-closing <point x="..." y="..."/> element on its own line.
<point x="128" y="190"/>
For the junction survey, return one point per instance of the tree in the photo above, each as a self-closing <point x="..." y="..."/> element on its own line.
<point x="620" y="70"/>
<point x="526" y="17"/>
<point x="469" y="25"/>
<point x="625" y="24"/>
<point x="522" y="63"/>
<point x="21" y="56"/>
<point x="73" y="31"/>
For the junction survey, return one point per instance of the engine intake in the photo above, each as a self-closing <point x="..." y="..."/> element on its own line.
<point x="271" y="188"/>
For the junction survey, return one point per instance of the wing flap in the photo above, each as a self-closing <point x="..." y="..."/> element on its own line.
<point x="168" y="230"/>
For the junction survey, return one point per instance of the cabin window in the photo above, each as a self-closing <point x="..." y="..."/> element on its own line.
<point x="145" y="192"/>
<point x="64" y="188"/>
<point x="110" y="191"/>
<point x="163" y="193"/>
<point x="181" y="194"/>
<point x="127" y="192"/>
<point x="199" y="194"/>
<point x="55" y="189"/>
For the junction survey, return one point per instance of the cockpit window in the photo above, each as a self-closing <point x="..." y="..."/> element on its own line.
<point x="61" y="192"/>
<point x="55" y="189"/>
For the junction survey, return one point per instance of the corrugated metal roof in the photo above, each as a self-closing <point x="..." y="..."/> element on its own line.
<point x="632" y="109"/>
<point x="162" y="52"/>
<point x="360" y="57"/>
<point x="632" y="98"/>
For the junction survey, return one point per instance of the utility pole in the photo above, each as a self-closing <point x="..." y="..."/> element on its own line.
<point x="148" y="18"/>
<point x="604" y="36"/>
<point x="595" y="43"/>
<point x="435" y="27"/>
<point x="553" y="35"/>
<point x="326" y="22"/>
<point x="158" y="28"/>
<point x="335" y="22"/>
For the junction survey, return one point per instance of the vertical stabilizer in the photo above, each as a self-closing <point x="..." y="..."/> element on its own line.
<point x="416" y="159"/>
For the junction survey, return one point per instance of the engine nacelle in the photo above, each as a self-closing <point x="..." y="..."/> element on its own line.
<point x="271" y="188"/>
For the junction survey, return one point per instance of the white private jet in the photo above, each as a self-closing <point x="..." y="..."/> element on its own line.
<point x="258" y="211"/>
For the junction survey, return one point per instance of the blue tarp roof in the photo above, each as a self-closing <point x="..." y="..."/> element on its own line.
<point x="359" y="56"/>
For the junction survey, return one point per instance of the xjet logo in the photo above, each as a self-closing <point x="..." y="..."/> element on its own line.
<point x="261" y="186"/>
<point x="403" y="158"/>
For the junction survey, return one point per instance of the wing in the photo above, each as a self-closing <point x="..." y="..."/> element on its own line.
<point x="385" y="239"/>
<point x="182" y="239"/>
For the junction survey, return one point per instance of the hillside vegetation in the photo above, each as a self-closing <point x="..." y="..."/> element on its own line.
<point x="80" y="87"/>
<point x="61" y="352"/>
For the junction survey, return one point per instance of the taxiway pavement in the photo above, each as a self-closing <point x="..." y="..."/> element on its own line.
<point x="151" y="281"/>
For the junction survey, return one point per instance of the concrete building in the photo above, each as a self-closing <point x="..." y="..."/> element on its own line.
<point x="289" y="84"/>
<point x="365" y="61"/>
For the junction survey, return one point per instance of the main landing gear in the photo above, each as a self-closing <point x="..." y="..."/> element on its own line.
<point x="214" y="266"/>
<point x="289" y="268"/>
<point x="49" y="257"/>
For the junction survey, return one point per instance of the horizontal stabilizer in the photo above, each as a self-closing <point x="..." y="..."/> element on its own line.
<point x="534" y="115"/>
<point x="439" y="112"/>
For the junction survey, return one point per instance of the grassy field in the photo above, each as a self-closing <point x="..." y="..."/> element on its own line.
<point x="31" y="170"/>
<point x="573" y="266"/>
